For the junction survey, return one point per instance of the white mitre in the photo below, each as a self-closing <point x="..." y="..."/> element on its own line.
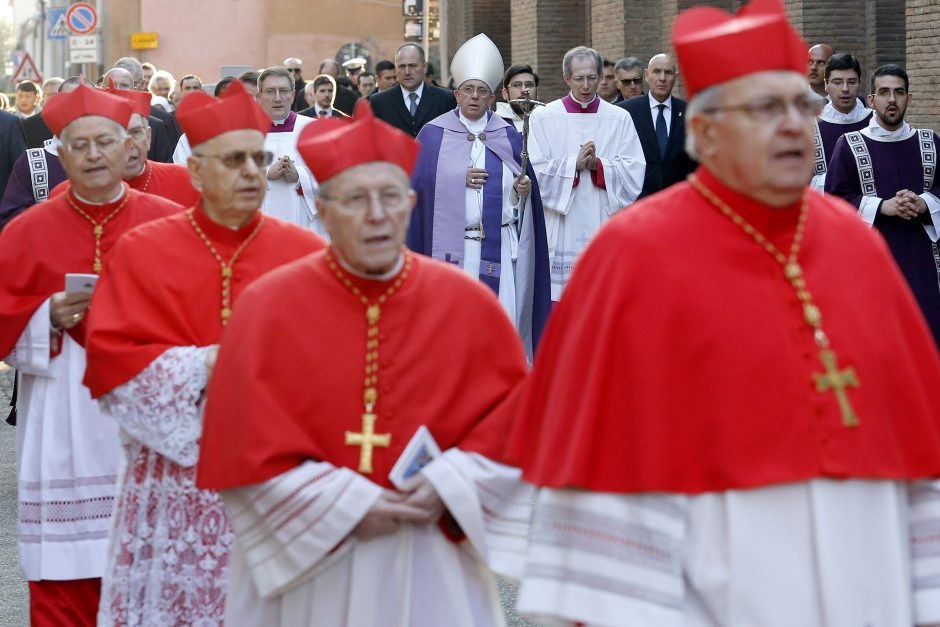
<point x="478" y="59"/>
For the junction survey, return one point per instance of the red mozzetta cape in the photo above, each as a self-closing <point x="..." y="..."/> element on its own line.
<point x="288" y="383"/>
<point x="168" y="180"/>
<point x="42" y="245"/>
<point x="678" y="359"/>
<point x="162" y="287"/>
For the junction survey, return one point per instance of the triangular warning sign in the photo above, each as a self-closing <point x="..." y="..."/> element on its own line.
<point x="26" y="71"/>
<point x="60" y="28"/>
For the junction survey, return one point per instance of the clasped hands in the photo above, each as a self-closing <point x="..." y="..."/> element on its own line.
<point x="587" y="156"/>
<point x="420" y="505"/>
<point x="905" y="204"/>
<point x="283" y="168"/>
<point x="476" y="177"/>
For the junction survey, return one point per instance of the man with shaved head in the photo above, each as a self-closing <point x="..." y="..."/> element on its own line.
<point x="660" y="123"/>
<point x="816" y="71"/>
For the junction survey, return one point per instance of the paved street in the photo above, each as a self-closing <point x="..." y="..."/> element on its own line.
<point x="13" y="595"/>
<point x="14" y="598"/>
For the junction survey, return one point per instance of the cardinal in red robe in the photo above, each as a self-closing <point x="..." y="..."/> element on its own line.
<point x="69" y="453"/>
<point x="160" y="310"/>
<point x="357" y="427"/>
<point x="733" y="414"/>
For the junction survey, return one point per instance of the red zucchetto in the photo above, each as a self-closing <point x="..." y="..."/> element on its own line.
<point x="365" y="139"/>
<point x="714" y="47"/>
<point x="65" y="108"/>
<point x="140" y="100"/>
<point x="203" y="117"/>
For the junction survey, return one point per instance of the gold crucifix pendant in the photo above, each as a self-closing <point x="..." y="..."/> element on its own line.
<point x="837" y="381"/>
<point x="367" y="440"/>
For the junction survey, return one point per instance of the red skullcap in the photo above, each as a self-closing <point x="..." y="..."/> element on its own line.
<point x="68" y="107"/>
<point x="203" y="117"/>
<point x="714" y="47"/>
<point x="332" y="145"/>
<point x="140" y="100"/>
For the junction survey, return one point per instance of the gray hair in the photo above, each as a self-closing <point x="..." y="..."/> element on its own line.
<point x="75" y="81"/>
<point x="133" y="66"/>
<point x="581" y="51"/>
<point x="157" y="76"/>
<point x="700" y="104"/>
<point x="628" y="63"/>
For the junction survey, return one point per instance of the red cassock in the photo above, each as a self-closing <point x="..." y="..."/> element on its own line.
<point x="162" y="287"/>
<point x="288" y="383"/>
<point x="42" y="245"/>
<point x="168" y="180"/>
<point x="678" y="359"/>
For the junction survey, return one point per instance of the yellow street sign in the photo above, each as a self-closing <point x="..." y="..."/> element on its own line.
<point x="141" y="41"/>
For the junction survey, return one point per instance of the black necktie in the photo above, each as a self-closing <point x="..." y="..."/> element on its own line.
<point x="661" y="135"/>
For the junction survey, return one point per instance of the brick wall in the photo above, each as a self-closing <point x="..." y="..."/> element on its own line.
<point x="540" y="31"/>
<point x="923" y="63"/>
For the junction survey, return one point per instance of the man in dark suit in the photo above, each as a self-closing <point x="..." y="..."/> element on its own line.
<point x="412" y="104"/>
<point x="345" y="99"/>
<point x="659" y="118"/>
<point x="320" y="94"/>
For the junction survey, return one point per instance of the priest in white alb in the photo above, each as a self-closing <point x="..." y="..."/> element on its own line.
<point x="759" y="440"/>
<point x="588" y="160"/>
<point x="322" y="387"/>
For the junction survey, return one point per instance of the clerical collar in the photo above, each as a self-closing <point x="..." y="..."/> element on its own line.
<point x="576" y="106"/>
<point x="474" y="126"/>
<point x="831" y="114"/>
<point x="84" y="201"/>
<point x="777" y="224"/>
<point x="373" y="277"/>
<point x="284" y="126"/>
<point x="221" y="233"/>
<point x="878" y="132"/>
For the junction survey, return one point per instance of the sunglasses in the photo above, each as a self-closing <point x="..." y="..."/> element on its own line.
<point x="237" y="159"/>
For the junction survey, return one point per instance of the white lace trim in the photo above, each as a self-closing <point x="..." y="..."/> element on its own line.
<point x="160" y="406"/>
<point x="168" y="555"/>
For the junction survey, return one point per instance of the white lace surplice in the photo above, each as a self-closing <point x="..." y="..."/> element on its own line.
<point x="168" y="554"/>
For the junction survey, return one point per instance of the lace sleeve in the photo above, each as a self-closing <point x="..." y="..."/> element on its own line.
<point x="160" y="406"/>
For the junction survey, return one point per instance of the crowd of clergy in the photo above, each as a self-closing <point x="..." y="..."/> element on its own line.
<point x="660" y="363"/>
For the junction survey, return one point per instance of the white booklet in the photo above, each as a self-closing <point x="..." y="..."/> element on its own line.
<point x="421" y="451"/>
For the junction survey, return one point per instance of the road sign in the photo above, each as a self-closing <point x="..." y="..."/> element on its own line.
<point x="144" y="41"/>
<point x="26" y="71"/>
<point x="58" y="27"/>
<point x="82" y="18"/>
<point x="83" y="49"/>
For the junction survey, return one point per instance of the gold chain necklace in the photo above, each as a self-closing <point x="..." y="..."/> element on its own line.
<point x="368" y="438"/>
<point x="226" y="312"/>
<point x="146" y="184"/>
<point x="833" y="378"/>
<point x="98" y="226"/>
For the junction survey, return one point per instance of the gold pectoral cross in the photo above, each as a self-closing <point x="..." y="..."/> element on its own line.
<point x="837" y="381"/>
<point x="367" y="440"/>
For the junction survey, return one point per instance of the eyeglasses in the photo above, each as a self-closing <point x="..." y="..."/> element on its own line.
<point x="768" y="110"/>
<point x="468" y="91"/>
<point x="631" y="81"/>
<point x="358" y="201"/>
<point x="885" y="92"/>
<point x="271" y="93"/>
<point x="521" y="85"/>
<point x="839" y="82"/>
<point x="236" y="159"/>
<point x="103" y="143"/>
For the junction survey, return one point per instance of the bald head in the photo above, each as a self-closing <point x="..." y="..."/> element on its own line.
<point x="660" y="75"/>
<point x="816" y="70"/>
<point x="121" y="78"/>
<point x="329" y="66"/>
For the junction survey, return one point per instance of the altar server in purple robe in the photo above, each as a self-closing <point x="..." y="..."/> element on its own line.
<point x="888" y="171"/>
<point x="476" y="208"/>
<point x="843" y="113"/>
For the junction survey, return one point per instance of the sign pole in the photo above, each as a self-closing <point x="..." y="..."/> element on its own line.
<point x="426" y="30"/>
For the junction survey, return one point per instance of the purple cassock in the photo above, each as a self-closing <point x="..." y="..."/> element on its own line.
<point x="440" y="182"/>
<point x="35" y="173"/>
<point x="829" y="134"/>
<point x="869" y="167"/>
